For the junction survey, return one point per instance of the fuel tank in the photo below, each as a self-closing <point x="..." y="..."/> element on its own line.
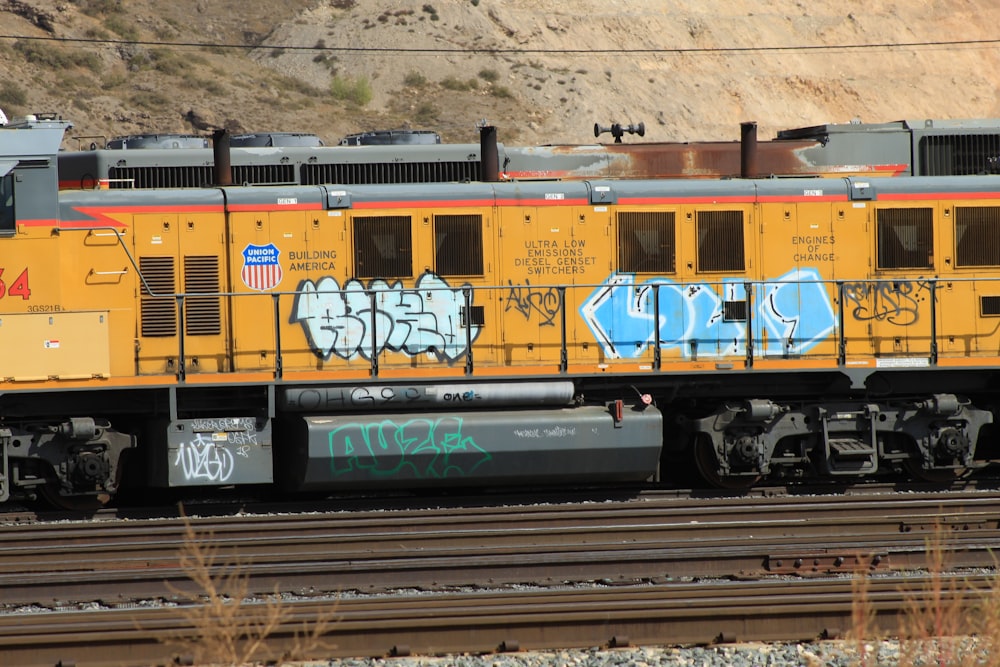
<point x="587" y="444"/>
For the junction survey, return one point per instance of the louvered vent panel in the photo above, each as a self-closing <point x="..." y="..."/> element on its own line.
<point x="158" y="314"/>
<point x="202" y="314"/>
<point x="380" y="172"/>
<point x="159" y="177"/>
<point x="646" y="242"/>
<point x="256" y="174"/>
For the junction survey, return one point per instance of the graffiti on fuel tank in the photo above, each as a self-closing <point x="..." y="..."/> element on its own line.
<point x="794" y="310"/>
<point x="415" y="448"/>
<point x="359" y="320"/>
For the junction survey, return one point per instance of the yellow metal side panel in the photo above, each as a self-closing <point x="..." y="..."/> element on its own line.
<point x="854" y="247"/>
<point x="533" y="239"/>
<point x="706" y="334"/>
<point x="30" y="275"/>
<point x="253" y="308"/>
<point x="66" y="345"/>
<point x="961" y="330"/>
<point x="155" y="236"/>
<point x="98" y="274"/>
<point x="587" y="259"/>
<point x="188" y="235"/>
<point x="795" y="306"/>
<point x="897" y="305"/>
<point x="317" y="330"/>
<point x="420" y="323"/>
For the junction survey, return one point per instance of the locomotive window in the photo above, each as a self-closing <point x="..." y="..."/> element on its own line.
<point x="720" y="241"/>
<point x="158" y="314"/>
<point x="905" y="238"/>
<point x="7" y="204"/>
<point x="458" y="245"/>
<point x="977" y="236"/>
<point x="646" y="242"/>
<point x="383" y="247"/>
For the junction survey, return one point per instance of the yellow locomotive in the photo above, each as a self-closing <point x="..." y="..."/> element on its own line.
<point x="484" y="334"/>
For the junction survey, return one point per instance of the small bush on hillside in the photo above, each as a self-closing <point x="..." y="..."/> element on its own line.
<point x="12" y="95"/>
<point x="54" y="57"/>
<point x="456" y="84"/>
<point x="122" y="26"/>
<point x="347" y="89"/>
<point x="414" y="79"/>
<point x="425" y="113"/>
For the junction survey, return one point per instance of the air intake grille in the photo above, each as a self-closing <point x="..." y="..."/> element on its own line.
<point x="158" y="314"/>
<point x="458" y="245"/>
<point x="202" y="313"/>
<point x="159" y="177"/>
<point x="646" y="242"/>
<point x="959" y="154"/>
<point x="384" y="172"/>
<point x="383" y="247"/>
<point x="260" y="174"/>
<point x="905" y="238"/>
<point x="977" y="235"/>
<point x="720" y="241"/>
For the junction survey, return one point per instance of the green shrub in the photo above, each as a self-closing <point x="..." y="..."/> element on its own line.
<point x="454" y="83"/>
<point x="414" y="79"/>
<point x="57" y="58"/>
<point x="356" y="90"/>
<point x="122" y="26"/>
<point x="13" y="95"/>
<point x="490" y="75"/>
<point x="425" y="113"/>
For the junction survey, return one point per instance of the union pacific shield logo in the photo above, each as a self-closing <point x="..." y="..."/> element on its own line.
<point x="261" y="268"/>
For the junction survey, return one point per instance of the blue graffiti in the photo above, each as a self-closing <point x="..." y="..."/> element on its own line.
<point x="416" y="448"/>
<point x="425" y="319"/>
<point x="794" y="311"/>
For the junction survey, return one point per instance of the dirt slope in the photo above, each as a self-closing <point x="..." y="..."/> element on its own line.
<point x="544" y="71"/>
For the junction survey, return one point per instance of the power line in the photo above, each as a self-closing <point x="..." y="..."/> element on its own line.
<point x="947" y="44"/>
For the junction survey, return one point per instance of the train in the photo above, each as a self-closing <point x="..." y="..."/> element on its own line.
<point x="338" y="338"/>
<point x="900" y="148"/>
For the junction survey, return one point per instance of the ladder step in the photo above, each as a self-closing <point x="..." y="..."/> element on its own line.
<point x="851" y="448"/>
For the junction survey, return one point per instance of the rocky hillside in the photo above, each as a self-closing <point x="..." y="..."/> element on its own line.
<point x="542" y="71"/>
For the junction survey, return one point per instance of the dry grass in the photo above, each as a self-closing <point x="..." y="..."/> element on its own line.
<point x="949" y="622"/>
<point x="229" y="629"/>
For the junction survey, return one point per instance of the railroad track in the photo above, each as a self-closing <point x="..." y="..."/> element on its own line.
<point x="483" y="622"/>
<point x="83" y="578"/>
<point x="622" y="542"/>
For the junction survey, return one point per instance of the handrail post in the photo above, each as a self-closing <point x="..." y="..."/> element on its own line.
<point x="278" y="369"/>
<point x="372" y="296"/>
<point x="934" y="345"/>
<point x="181" y="362"/>
<point x="842" y="341"/>
<point x="657" y="352"/>
<point x="563" y="350"/>
<point x="467" y="295"/>
<point x="748" y="289"/>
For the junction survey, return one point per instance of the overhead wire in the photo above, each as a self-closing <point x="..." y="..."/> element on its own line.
<point x="935" y="44"/>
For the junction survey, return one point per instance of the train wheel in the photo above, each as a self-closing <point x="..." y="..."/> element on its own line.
<point x="708" y="467"/>
<point x="51" y="494"/>
<point x="937" y="476"/>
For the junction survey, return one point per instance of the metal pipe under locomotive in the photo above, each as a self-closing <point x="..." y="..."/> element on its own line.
<point x="475" y="334"/>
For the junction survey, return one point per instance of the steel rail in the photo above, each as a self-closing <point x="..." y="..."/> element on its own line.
<point x="441" y="623"/>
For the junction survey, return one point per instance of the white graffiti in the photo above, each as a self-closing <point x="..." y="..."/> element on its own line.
<point x="205" y="460"/>
<point x="424" y="319"/>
